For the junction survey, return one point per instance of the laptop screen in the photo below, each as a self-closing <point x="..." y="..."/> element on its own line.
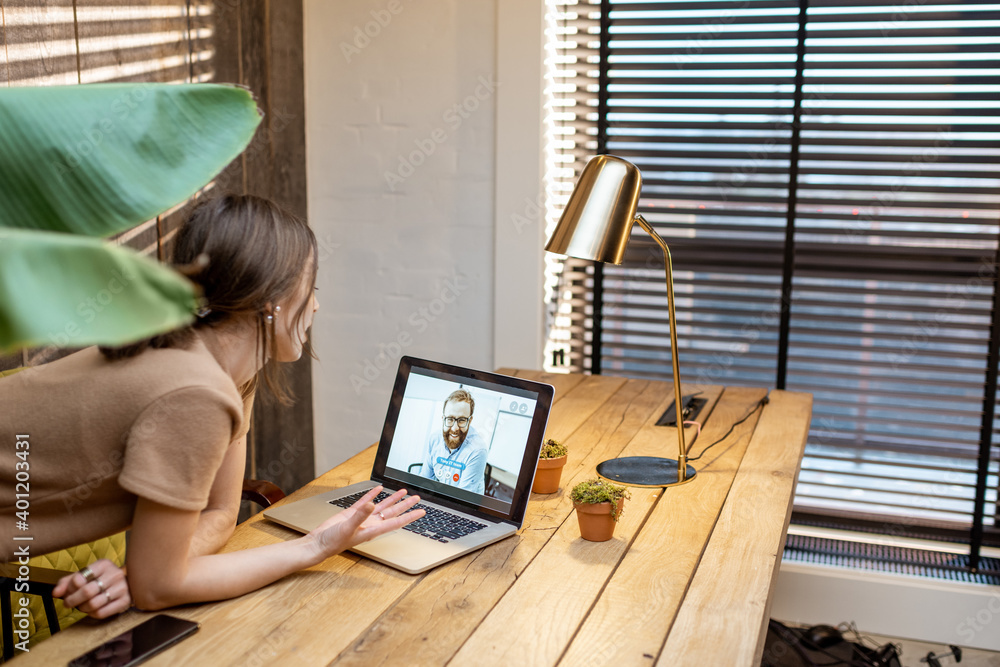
<point x="467" y="436"/>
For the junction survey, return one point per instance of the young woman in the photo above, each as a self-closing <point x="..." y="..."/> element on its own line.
<point x="152" y="436"/>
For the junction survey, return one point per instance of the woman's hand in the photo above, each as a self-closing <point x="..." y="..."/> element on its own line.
<point x="363" y="521"/>
<point x="99" y="590"/>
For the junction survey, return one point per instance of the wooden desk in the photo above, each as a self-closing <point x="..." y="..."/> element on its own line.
<point x="686" y="580"/>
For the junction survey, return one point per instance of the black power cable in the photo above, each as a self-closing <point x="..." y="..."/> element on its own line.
<point x="760" y="404"/>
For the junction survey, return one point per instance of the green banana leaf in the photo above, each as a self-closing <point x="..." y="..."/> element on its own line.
<point x="72" y="291"/>
<point x="99" y="159"/>
<point x="96" y="160"/>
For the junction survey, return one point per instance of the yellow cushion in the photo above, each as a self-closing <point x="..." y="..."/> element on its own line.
<point x="69" y="560"/>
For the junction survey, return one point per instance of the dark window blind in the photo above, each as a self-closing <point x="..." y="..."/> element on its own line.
<point x="827" y="178"/>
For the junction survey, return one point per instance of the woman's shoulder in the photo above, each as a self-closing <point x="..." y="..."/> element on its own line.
<point x="169" y="370"/>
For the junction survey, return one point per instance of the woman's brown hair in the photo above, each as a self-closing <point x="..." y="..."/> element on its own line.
<point x="246" y="254"/>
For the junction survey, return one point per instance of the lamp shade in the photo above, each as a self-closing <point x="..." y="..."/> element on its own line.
<point x="598" y="218"/>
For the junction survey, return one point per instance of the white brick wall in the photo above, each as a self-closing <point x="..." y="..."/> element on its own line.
<point x="403" y="88"/>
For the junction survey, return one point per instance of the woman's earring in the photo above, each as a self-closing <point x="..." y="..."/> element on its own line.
<point x="277" y="309"/>
<point x="270" y="319"/>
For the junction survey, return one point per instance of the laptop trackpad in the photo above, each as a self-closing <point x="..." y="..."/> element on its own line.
<point x="402" y="544"/>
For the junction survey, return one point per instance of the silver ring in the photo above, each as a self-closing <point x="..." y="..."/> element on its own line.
<point x="381" y="516"/>
<point x="100" y="584"/>
<point x="107" y="597"/>
<point x="88" y="574"/>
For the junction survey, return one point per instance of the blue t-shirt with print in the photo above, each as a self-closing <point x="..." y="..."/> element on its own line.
<point x="464" y="467"/>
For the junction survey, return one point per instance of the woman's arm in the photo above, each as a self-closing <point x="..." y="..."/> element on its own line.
<point x="214" y="527"/>
<point x="218" y="520"/>
<point x="162" y="573"/>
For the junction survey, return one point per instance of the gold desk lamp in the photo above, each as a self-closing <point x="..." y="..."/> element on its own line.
<point x="596" y="225"/>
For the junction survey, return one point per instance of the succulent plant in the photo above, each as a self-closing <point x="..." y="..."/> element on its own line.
<point x="552" y="449"/>
<point x="597" y="490"/>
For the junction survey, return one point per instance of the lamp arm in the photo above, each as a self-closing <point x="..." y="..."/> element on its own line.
<point x="678" y="396"/>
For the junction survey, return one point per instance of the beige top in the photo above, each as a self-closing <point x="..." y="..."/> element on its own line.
<point x="100" y="433"/>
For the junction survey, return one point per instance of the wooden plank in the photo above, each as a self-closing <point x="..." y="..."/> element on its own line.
<point x="133" y="41"/>
<point x="201" y="40"/>
<point x="515" y="552"/>
<point x="4" y="73"/>
<point x="142" y="238"/>
<point x="254" y="64"/>
<point x="274" y="167"/>
<point x="561" y="382"/>
<point x="287" y="109"/>
<point x="438" y="614"/>
<point x="560" y="586"/>
<point x="249" y="622"/>
<point x="576" y="406"/>
<point x="473" y="611"/>
<point x="353" y="593"/>
<point x="40" y="42"/>
<point x="730" y="596"/>
<point x="508" y="635"/>
<point x="224" y="23"/>
<point x="628" y="623"/>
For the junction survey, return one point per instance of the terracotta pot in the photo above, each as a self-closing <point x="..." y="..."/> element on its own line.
<point x="547" y="475"/>
<point x="596" y="524"/>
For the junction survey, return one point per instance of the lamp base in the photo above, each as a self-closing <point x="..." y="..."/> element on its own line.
<point x="645" y="471"/>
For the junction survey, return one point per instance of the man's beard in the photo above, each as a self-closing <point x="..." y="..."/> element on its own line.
<point x="454" y="444"/>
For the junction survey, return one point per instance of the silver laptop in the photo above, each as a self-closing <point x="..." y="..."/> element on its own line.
<point x="466" y="442"/>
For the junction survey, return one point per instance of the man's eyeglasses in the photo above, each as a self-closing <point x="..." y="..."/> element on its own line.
<point x="462" y="422"/>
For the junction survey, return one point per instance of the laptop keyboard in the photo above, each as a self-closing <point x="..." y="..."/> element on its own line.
<point x="436" y="524"/>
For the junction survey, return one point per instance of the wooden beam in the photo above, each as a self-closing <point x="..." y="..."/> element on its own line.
<point x="224" y="22"/>
<point x="259" y="45"/>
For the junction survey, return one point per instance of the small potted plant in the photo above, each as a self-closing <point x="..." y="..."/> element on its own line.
<point x="551" y="460"/>
<point x="598" y="505"/>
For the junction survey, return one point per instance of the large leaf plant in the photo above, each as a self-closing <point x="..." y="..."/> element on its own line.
<point x="81" y="163"/>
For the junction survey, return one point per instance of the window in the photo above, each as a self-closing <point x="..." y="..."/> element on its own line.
<point x="827" y="175"/>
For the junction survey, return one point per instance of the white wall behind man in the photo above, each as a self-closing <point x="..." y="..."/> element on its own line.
<point x="400" y="137"/>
